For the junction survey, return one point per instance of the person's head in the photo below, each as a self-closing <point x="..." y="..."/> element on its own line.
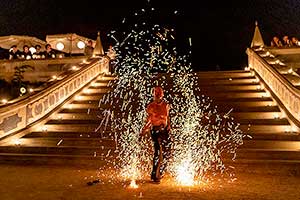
<point x="48" y="47"/>
<point x="294" y="40"/>
<point x="25" y="48"/>
<point x="158" y="93"/>
<point x="275" y="39"/>
<point x="285" y="38"/>
<point x="90" y="43"/>
<point x="14" y="48"/>
<point x="37" y="47"/>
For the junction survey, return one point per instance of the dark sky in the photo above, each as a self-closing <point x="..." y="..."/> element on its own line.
<point x="220" y="30"/>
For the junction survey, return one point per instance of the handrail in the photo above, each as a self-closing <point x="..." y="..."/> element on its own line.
<point x="282" y="88"/>
<point x="19" y="115"/>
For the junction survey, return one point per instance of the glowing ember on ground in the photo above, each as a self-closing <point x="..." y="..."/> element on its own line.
<point x="133" y="184"/>
<point x="185" y="173"/>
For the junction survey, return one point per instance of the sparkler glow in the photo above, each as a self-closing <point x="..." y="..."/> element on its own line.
<point x="201" y="136"/>
<point x="133" y="184"/>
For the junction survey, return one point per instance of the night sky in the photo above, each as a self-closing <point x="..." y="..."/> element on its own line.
<point x="220" y="30"/>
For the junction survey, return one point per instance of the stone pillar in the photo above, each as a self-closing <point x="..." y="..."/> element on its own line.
<point x="98" y="50"/>
<point x="257" y="40"/>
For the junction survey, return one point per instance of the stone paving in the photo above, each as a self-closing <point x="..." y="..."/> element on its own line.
<point x="70" y="183"/>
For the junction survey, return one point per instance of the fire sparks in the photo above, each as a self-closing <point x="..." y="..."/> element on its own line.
<point x="185" y="173"/>
<point x="201" y="135"/>
<point x="133" y="184"/>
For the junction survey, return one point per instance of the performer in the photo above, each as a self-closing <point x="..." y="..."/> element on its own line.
<point x="158" y="123"/>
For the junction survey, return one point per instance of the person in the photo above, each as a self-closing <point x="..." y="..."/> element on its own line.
<point x="14" y="53"/>
<point x="158" y="123"/>
<point x="49" y="52"/>
<point x="89" y="49"/>
<point x="38" y="53"/>
<point x="112" y="57"/>
<point x="276" y="42"/>
<point x="295" y="42"/>
<point x="26" y="54"/>
<point x="286" y="41"/>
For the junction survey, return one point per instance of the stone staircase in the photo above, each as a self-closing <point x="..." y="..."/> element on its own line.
<point x="274" y="144"/>
<point x="68" y="136"/>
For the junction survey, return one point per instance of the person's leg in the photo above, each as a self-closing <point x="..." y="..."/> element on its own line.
<point x="166" y="151"/>
<point x="155" y="175"/>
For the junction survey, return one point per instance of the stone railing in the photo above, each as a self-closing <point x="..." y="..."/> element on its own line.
<point x="41" y="67"/>
<point x="19" y="115"/>
<point x="281" y="87"/>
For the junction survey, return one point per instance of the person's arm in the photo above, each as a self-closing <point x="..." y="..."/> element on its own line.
<point x="146" y="128"/>
<point x="148" y="123"/>
<point x="168" y="118"/>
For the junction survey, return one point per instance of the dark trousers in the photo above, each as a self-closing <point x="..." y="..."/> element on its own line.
<point x="162" y="151"/>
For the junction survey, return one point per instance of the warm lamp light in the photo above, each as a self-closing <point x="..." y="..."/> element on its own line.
<point x="80" y="45"/>
<point x="4" y="101"/>
<point x="23" y="90"/>
<point x="60" y="46"/>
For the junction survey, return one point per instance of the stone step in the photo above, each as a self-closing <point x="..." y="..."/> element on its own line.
<point x="90" y="96"/>
<point x="244" y="103"/>
<point x="92" y="90"/>
<point x="264" y="142"/>
<point x="91" y="131"/>
<point x="269" y="154"/>
<point x="83" y="106"/>
<point x="90" y="102"/>
<point x="211" y="75"/>
<point x="67" y="135"/>
<point x="233" y="88"/>
<point x="277" y="151"/>
<point x="71" y="110"/>
<point x="235" y="73"/>
<point x="229" y="99"/>
<point x="256" y="94"/>
<point x="78" y="116"/>
<point x="284" y="136"/>
<point x="271" y="122"/>
<point x="221" y="108"/>
<point x="70" y="125"/>
<point x="88" y="122"/>
<point x="274" y="129"/>
<point x="271" y="145"/>
<point x="95" y="122"/>
<point x="97" y="85"/>
<point x="66" y="142"/>
<point x="61" y="150"/>
<point x="68" y="128"/>
<point x="96" y="104"/>
<point x="236" y="115"/>
<point x="228" y="81"/>
<point x="105" y="78"/>
<point x="89" y="128"/>
<point x="211" y="83"/>
<point x="264" y="102"/>
<point x="85" y="161"/>
<point x="240" y="109"/>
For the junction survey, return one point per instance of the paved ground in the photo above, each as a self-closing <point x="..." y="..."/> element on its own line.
<point x="70" y="183"/>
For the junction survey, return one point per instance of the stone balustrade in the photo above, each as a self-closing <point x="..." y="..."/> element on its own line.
<point x="43" y="68"/>
<point x="19" y="115"/>
<point x="281" y="87"/>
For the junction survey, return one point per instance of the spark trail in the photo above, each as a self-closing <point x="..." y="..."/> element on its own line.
<point x="147" y="57"/>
